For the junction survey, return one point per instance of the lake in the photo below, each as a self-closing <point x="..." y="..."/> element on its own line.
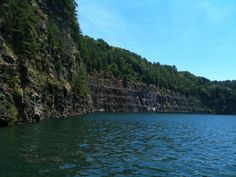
<point x="121" y="144"/>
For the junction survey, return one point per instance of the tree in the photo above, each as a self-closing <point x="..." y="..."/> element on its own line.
<point x="19" y="20"/>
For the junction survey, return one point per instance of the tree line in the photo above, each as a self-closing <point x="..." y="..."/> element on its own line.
<point x="17" y="25"/>
<point x="99" y="56"/>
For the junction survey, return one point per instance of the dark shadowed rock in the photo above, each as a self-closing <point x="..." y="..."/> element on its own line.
<point x="7" y="58"/>
<point x="3" y="122"/>
<point x="1" y="42"/>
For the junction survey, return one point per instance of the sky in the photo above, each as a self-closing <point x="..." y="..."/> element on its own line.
<point x="198" y="36"/>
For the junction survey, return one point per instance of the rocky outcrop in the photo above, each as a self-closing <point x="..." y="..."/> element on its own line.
<point x="110" y="94"/>
<point x="54" y="83"/>
<point x="8" y="77"/>
<point x="36" y="88"/>
<point x="29" y="93"/>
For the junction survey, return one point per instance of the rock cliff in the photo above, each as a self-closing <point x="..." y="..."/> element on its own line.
<point x="43" y="75"/>
<point x="110" y="94"/>
<point x="33" y="88"/>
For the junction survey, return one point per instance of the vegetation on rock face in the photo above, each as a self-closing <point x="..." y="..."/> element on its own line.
<point x="9" y="111"/>
<point x="19" y="19"/>
<point x="41" y="38"/>
<point x="67" y="10"/>
<point x="81" y="82"/>
<point x="47" y="69"/>
<point x="217" y="97"/>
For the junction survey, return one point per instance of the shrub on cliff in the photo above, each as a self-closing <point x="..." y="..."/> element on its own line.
<point x="19" y="18"/>
<point x="67" y="10"/>
<point x="9" y="111"/>
<point x="81" y="82"/>
<point x="219" y="97"/>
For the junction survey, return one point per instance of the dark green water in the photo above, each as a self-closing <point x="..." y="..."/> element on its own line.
<point x="107" y="144"/>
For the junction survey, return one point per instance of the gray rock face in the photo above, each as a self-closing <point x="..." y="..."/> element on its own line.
<point x="33" y="89"/>
<point x="8" y="74"/>
<point x="110" y="95"/>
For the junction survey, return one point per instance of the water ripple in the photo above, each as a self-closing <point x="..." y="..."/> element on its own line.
<point x="122" y="145"/>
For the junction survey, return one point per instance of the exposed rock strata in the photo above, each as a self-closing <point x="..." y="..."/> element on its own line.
<point x="34" y="89"/>
<point x="111" y="95"/>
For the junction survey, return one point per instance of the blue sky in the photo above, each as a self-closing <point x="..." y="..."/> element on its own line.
<point x="195" y="35"/>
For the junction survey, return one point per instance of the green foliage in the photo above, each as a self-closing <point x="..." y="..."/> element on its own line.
<point x="13" y="113"/>
<point x="17" y="91"/>
<point x="81" y="82"/>
<point x="10" y="111"/>
<point x="67" y="10"/>
<point x="14" y="83"/>
<point x="58" y="50"/>
<point x="19" y="18"/>
<point x="53" y="32"/>
<point x="113" y="69"/>
<point x="62" y="23"/>
<point x="99" y="56"/>
<point x="217" y="97"/>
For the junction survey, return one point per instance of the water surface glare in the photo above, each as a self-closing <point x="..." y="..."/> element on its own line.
<point x="121" y="144"/>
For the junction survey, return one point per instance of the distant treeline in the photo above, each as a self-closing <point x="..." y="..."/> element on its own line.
<point x="218" y="97"/>
<point x="17" y="26"/>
